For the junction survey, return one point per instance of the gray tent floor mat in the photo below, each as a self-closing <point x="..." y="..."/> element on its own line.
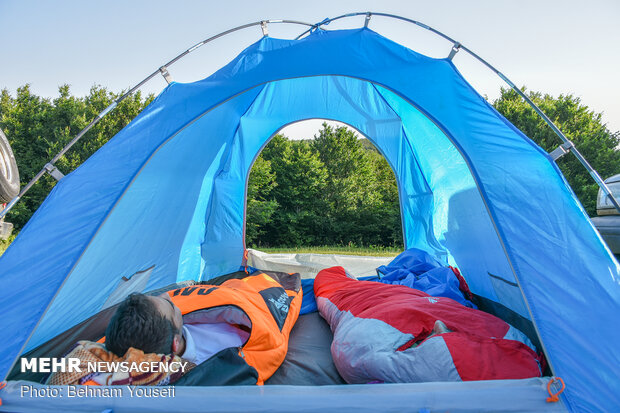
<point x="309" y="360"/>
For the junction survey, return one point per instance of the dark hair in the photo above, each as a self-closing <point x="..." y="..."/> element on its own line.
<point x="138" y="323"/>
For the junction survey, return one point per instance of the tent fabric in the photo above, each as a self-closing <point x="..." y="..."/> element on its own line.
<point x="169" y="191"/>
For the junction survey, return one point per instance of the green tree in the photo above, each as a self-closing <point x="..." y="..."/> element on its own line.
<point x="581" y="125"/>
<point x="260" y="206"/>
<point x="351" y="187"/>
<point x="334" y="190"/>
<point x="38" y="128"/>
<point x="301" y="179"/>
<point x="351" y="180"/>
<point x="387" y="216"/>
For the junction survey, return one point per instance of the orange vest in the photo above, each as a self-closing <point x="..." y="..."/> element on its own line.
<point x="268" y="308"/>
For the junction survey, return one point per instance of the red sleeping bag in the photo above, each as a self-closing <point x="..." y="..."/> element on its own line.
<point x="391" y="333"/>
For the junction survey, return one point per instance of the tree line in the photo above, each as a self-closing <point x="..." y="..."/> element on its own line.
<point x="38" y="128"/>
<point x="334" y="189"/>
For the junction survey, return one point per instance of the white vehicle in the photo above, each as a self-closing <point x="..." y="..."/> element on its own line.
<point x="608" y="221"/>
<point x="9" y="181"/>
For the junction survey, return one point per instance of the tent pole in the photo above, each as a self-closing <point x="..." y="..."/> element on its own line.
<point x="567" y="144"/>
<point x="262" y="23"/>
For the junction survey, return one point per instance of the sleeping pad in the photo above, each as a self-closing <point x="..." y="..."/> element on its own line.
<point x="390" y="333"/>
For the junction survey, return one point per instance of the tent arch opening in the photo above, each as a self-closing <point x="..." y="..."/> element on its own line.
<point x="333" y="124"/>
<point x="330" y="97"/>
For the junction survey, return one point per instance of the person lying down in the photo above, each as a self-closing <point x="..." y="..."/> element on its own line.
<point x="397" y="334"/>
<point x="231" y="331"/>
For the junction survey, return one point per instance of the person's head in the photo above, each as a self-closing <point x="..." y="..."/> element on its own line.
<point x="148" y="323"/>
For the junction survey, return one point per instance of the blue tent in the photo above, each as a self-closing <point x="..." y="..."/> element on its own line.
<point x="169" y="192"/>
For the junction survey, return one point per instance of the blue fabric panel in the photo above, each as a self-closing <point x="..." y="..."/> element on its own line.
<point x="460" y="218"/>
<point x="556" y="253"/>
<point x="46" y="249"/>
<point x="148" y="225"/>
<point x="415" y="268"/>
<point x="349" y="100"/>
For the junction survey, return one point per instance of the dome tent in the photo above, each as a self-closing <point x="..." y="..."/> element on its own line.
<point x="167" y="194"/>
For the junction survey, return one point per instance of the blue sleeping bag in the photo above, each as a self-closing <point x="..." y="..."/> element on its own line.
<point x="417" y="269"/>
<point x="413" y="268"/>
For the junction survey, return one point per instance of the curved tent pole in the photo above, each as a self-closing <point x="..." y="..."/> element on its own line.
<point x="368" y="15"/>
<point x="567" y="145"/>
<point x="52" y="170"/>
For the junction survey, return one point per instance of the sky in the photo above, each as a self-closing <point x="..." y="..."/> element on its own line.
<point x="551" y="46"/>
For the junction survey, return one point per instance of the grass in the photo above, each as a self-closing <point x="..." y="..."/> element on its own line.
<point x="376" y="251"/>
<point x="4" y="244"/>
<point x="373" y="250"/>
